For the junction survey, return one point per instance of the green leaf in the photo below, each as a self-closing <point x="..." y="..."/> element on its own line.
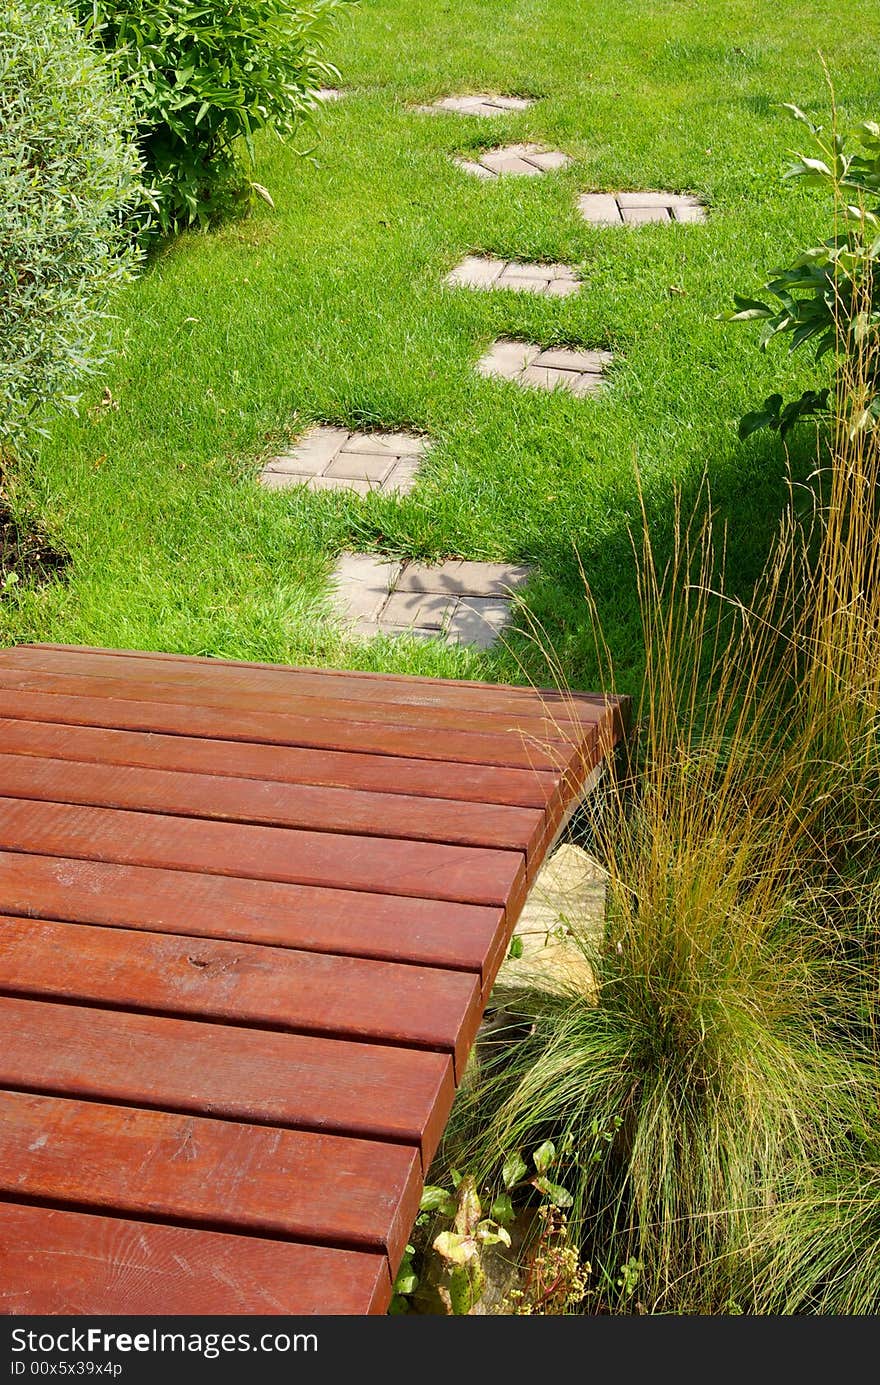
<point x="465" y="1287"/>
<point x="437" y="1200"/>
<point x="747" y="309"/>
<point x="514" y="1170"/>
<point x="407" y="1281"/>
<point x="502" y="1210"/>
<point x="753" y="422"/>
<point x="544" y="1156"/>
<point x="515" y="951"/>
<point x="556" y="1194"/>
<point x="798" y="114"/>
<point x="492" y="1235"/>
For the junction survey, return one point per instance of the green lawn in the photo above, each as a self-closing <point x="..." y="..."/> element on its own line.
<point x="332" y="308"/>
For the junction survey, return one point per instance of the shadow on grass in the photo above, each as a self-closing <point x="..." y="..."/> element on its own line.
<point x="747" y="501"/>
<point x="26" y="553"/>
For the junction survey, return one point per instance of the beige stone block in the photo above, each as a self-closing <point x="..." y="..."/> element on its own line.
<point x="478" y="621"/>
<point x="458" y="577"/>
<point x="600" y="208"/>
<point x="361" y="466"/>
<point x="644" y="216"/>
<point x="425" y="609"/>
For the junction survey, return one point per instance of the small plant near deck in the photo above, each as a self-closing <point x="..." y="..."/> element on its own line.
<point x="449" y="1264"/>
<point x="829" y="297"/>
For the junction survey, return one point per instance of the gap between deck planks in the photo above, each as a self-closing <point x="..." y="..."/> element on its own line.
<point x="252" y="915"/>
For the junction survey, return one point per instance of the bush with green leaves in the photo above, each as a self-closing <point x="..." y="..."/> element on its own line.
<point x="830" y="295"/>
<point x="205" y="76"/>
<point x="68" y="171"/>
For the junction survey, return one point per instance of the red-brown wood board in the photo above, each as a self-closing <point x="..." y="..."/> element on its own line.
<point x="249" y="919"/>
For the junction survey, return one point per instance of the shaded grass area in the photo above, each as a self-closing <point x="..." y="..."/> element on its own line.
<point x="332" y="308"/>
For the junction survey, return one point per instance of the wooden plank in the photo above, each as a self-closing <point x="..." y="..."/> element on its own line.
<point x="309" y="731"/>
<point x="254" y="1075"/>
<point x="469" y="875"/>
<point x="427" y="932"/>
<point x="81" y="1264"/>
<point x="306" y="992"/>
<point x="221" y="1175"/>
<point x="205" y="692"/>
<point x="315" y="808"/>
<point x="479" y="698"/>
<point x="387" y="774"/>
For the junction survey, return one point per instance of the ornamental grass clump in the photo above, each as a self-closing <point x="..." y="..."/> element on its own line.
<point x="704" y="1044"/>
<point x="69" y="173"/>
<point x="730" y="1038"/>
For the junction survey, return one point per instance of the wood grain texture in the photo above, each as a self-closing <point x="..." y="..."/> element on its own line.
<point x="385" y="927"/>
<point x="80" y="1264"/>
<point x="252" y="1075"/>
<point x="387" y="774"/>
<point x="399" y="690"/>
<point x="271" y="804"/>
<point x="304" y="992"/>
<point x="205" y="691"/>
<point x="468" y="875"/>
<point x="218" y="1174"/>
<point x="20" y="700"/>
<point x="249" y="918"/>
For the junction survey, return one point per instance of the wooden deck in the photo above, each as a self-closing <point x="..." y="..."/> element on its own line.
<point x="250" y="919"/>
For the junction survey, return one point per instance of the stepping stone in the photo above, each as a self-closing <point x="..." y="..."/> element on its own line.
<point x="328" y="94"/>
<point x="550" y="368"/>
<point x="339" y="459"/>
<point x="479" y="105"/>
<point x="526" y="160"/>
<point x="639" y="208"/>
<point x="486" y="272"/>
<point x="457" y="602"/>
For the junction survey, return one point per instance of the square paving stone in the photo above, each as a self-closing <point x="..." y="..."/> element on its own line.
<point x="329" y="458"/>
<point x="361" y="584"/>
<point x="361" y="466"/>
<point x="481" y="105"/>
<point x="639" y="208"/>
<point x="643" y="216"/>
<point x="524" y="160"/>
<point x="458" y="601"/>
<point x="487" y="272"/>
<point x="427" y="610"/>
<point x="462" y="578"/>
<point x="555" y="367"/>
<point x="478" y="621"/>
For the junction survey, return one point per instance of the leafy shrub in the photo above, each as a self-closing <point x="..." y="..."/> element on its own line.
<point x="830" y="295"/>
<point x="205" y="75"/>
<point x="67" y="170"/>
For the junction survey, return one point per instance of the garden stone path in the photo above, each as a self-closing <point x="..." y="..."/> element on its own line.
<point x="525" y="160"/>
<point x="639" y="208"/>
<point x="338" y="459"/>
<point x="546" y="368"/>
<point x="481" y="105"/>
<point x="486" y="272"/>
<point x="458" y="602"/>
<point x="329" y="94"/>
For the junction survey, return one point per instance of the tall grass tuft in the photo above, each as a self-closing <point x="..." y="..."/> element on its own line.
<point x="728" y="1043"/>
<point x="703" y="1044"/>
